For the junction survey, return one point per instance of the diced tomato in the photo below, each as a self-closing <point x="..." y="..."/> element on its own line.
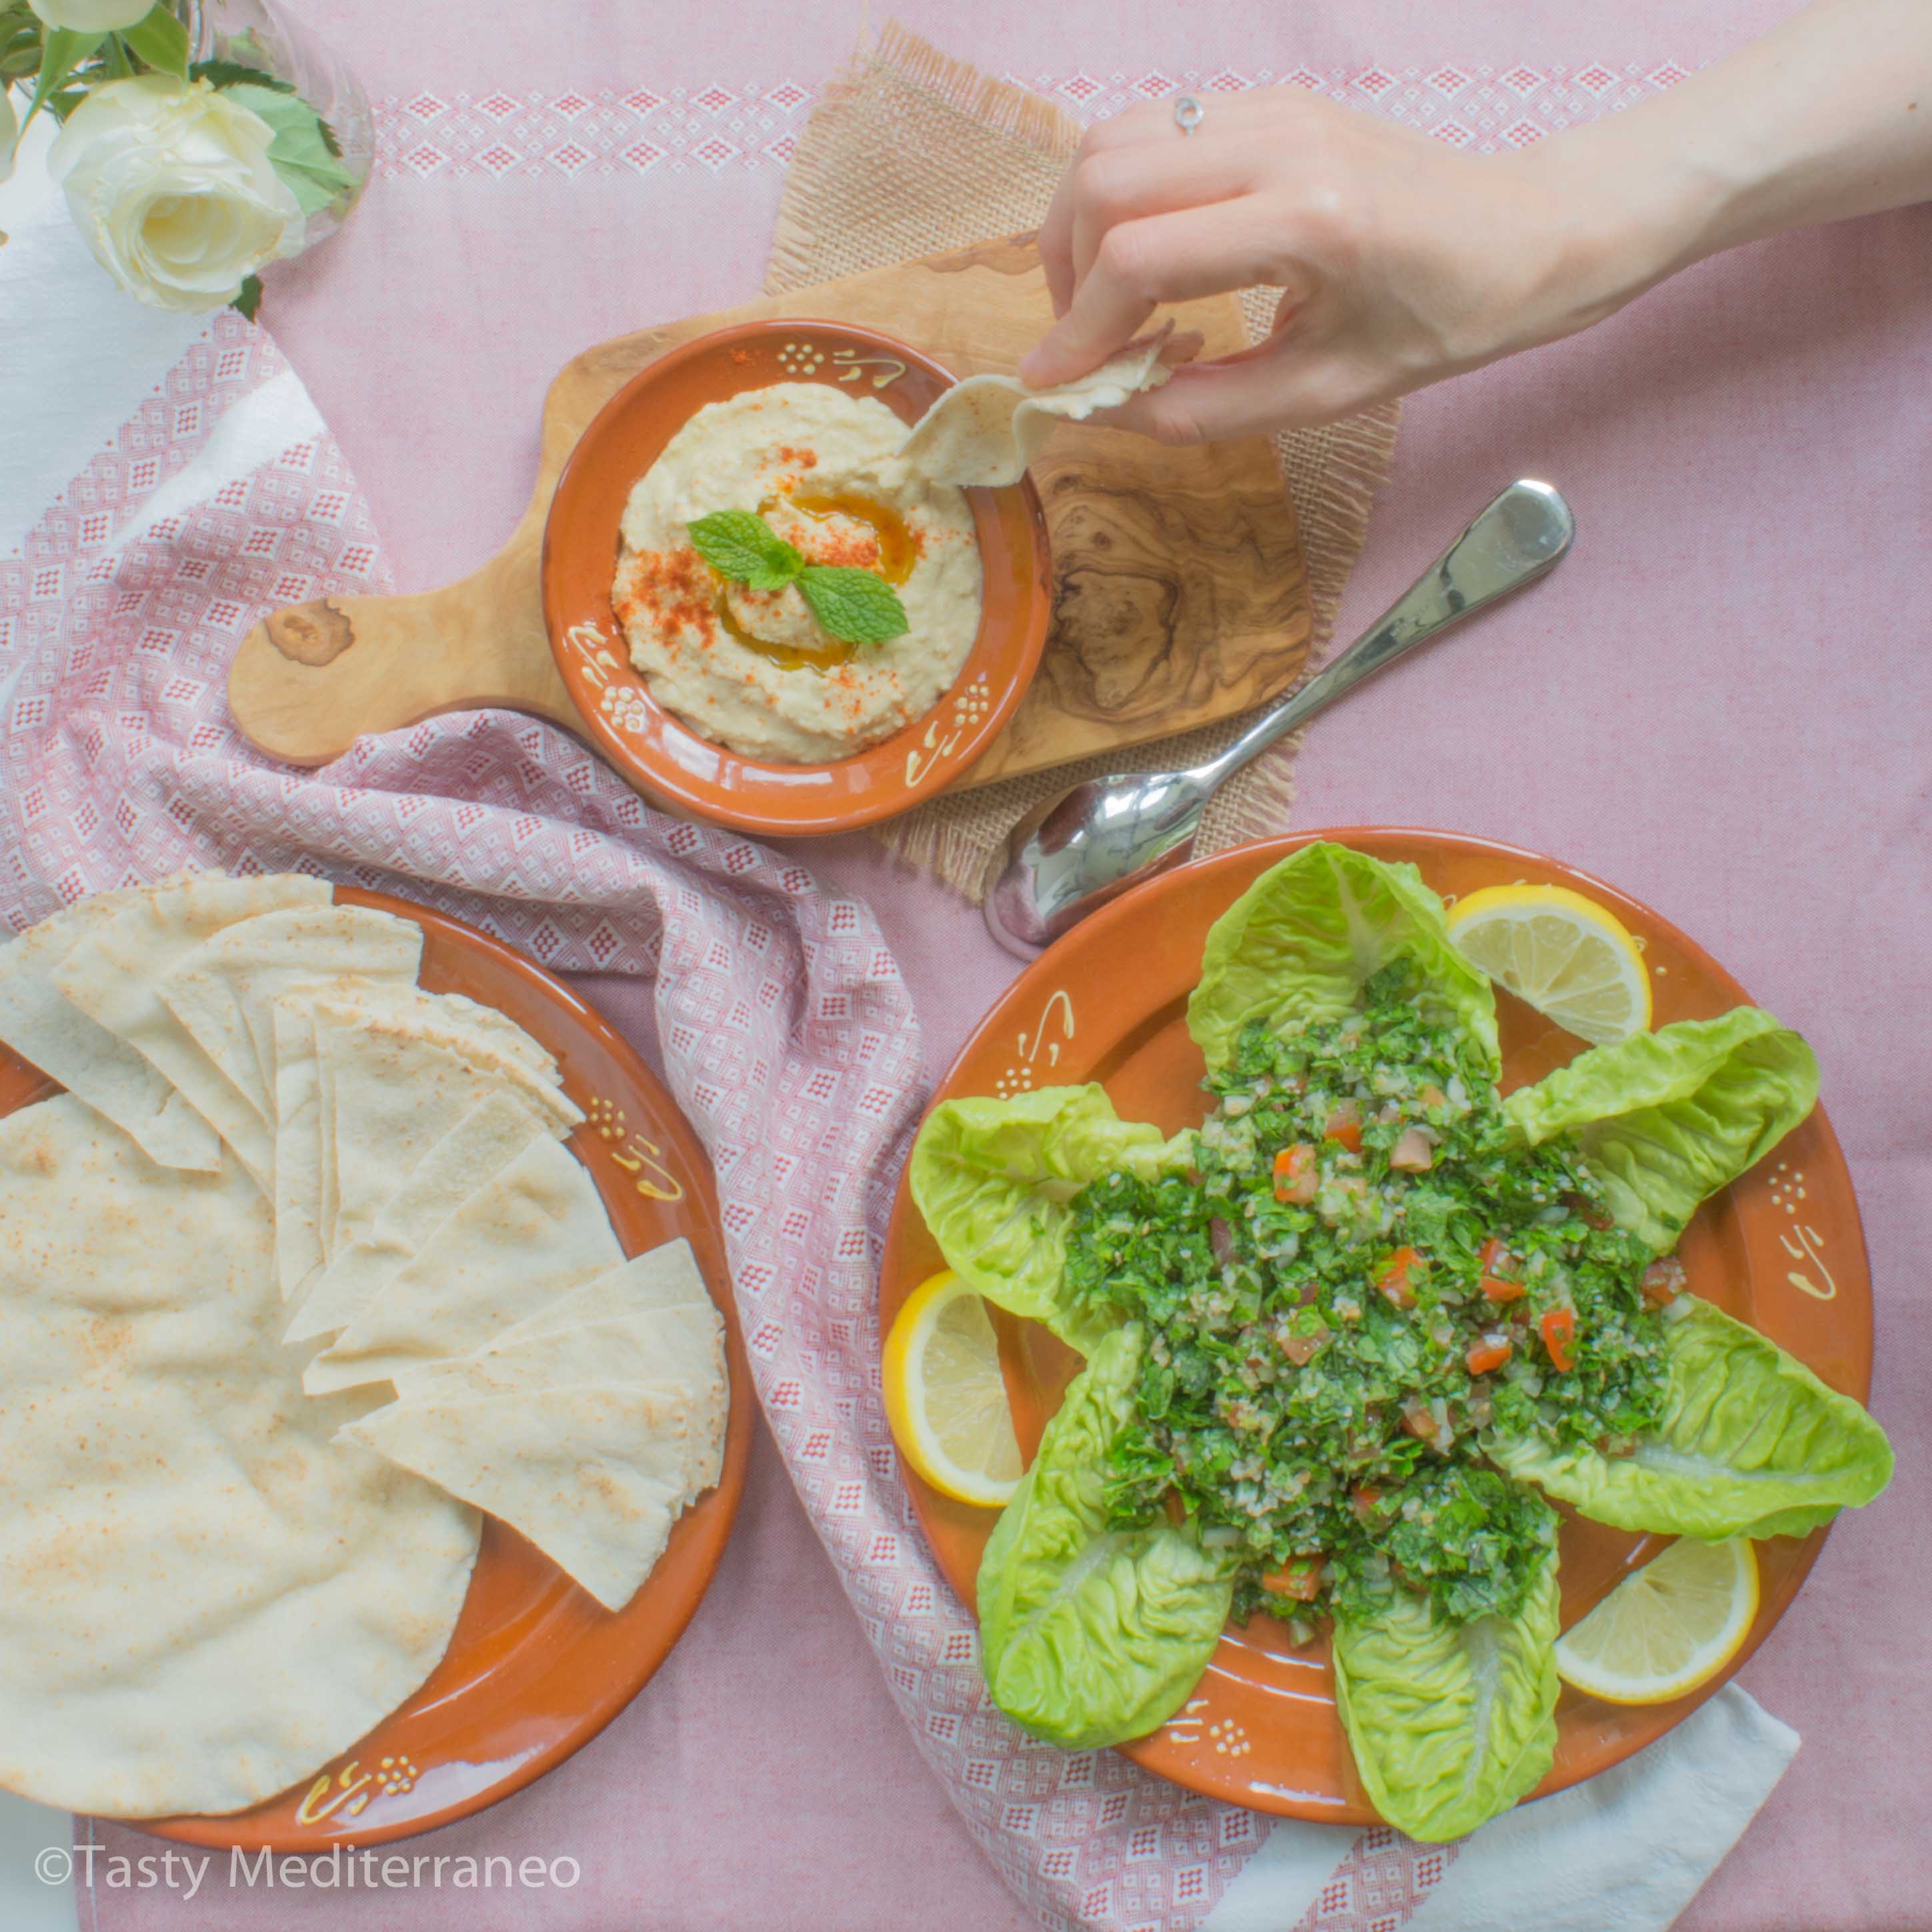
<point x="1296" y="1174"/>
<point x="1559" y="1329"/>
<point x="1177" y="1509"/>
<point x="1663" y="1281"/>
<point x="1498" y="1264"/>
<point x="1365" y="1502"/>
<point x="1488" y="1354"/>
<point x="1413" y="1152"/>
<point x="1393" y="1279"/>
<point x="1301" y="1578"/>
<point x="1344" y="1127"/>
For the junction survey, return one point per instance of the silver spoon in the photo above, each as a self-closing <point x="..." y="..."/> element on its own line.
<point x="1070" y="855"/>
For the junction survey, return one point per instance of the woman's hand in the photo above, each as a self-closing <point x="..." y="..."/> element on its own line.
<point x="1400" y="261"/>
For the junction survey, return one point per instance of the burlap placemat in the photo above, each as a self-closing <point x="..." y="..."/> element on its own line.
<point x="910" y="152"/>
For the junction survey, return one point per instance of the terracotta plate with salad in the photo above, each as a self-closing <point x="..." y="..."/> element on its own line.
<point x="1391" y="1404"/>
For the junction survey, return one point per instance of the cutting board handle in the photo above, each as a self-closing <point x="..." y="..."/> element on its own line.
<point x="310" y="680"/>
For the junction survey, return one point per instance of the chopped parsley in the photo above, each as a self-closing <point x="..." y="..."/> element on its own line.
<point x="1360" y="1273"/>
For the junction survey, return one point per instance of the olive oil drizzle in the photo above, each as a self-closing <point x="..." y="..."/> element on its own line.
<point x="898" y="552"/>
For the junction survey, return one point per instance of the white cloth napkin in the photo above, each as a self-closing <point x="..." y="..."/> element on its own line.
<point x="1623" y="1853"/>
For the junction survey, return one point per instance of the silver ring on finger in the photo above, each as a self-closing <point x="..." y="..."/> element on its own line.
<point x="1188" y="113"/>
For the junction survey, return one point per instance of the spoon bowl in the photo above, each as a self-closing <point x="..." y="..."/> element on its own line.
<point x="1071" y="855"/>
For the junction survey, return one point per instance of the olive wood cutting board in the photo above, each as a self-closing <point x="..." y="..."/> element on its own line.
<point x="1181" y="592"/>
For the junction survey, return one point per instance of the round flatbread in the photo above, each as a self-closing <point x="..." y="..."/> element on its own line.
<point x="204" y="1596"/>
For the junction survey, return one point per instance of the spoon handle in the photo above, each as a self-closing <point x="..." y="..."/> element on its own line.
<point x="1523" y="533"/>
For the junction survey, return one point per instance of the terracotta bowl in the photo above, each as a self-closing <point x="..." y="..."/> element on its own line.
<point x="666" y="759"/>
<point x="536" y="1666"/>
<point x="1781" y="1248"/>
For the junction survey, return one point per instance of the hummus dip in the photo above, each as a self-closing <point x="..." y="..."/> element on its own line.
<point x="752" y="670"/>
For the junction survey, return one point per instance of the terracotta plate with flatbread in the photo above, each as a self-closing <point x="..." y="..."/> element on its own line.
<point x="665" y="758"/>
<point x="536" y="1666"/>
<point x="1782" y="1249"/>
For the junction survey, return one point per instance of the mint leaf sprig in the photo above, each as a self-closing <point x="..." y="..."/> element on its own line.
<point x="856" y="606"/>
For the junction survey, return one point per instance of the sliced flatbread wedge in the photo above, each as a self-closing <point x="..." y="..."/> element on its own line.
<point x="113" y="974"/>
<point x="661" y="1277"/>
<point x="224" y="992"/>
<point x="388" y="1091"/>
<point x="40" y="1024"/>
<point x="983" y="432"/>
<point x="535" y="1231"/>
<point x="677" y="1353"/>
<point x="465" y="1026"/>
<point x="595" y="1477"/>
<point x="482" y="1143"/>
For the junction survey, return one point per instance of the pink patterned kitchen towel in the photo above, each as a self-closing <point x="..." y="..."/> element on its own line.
<point x="789" y="1041"/>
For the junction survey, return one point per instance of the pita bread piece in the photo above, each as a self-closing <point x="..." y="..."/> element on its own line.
<point x="594" y="1476"/>
<point x="534" y="1231"/>
<point x="41" y="1024"/>
<point x="224" y="993"/>
<point x="113" y="975"/>
<point x="983" y="432"/>
<point x="478" y="1147"/>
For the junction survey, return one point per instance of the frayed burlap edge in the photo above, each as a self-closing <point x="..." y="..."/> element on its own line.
<point x="911" y="152"/>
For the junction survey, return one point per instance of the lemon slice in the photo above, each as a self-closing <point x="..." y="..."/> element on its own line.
<point x="945" y="1396"/>
<point x="1565" y="955"/>
<point x="1672" y="1626"/>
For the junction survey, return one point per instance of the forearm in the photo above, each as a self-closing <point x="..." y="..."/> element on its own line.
<point x="1828" y="116"/>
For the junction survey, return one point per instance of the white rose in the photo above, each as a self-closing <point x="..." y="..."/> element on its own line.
<point x="172" y="185"/>
<point x="92" y="16"/>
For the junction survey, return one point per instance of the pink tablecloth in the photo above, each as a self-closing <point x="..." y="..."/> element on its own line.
<point x="1719" y="703"/>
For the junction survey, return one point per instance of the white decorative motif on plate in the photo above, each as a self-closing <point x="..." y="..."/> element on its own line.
<point x="1801" y="1241"/>
<point x="1047" y="1035"/>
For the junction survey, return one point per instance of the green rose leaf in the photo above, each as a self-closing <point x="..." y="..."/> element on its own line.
<point x="303" y="150"/>
<point x="65" y="51"/>
<point x="234" y="73"/>
<point x="745" y="548"/>
<point x="159" y="41"/>
<point x="248" y="297"/>
<point x="854" y="605"/>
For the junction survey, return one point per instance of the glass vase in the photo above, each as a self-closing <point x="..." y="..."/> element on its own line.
<point x="264" y="34"/>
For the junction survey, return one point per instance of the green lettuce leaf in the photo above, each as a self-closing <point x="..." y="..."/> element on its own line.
<point x="1450" y="1724"/>
<point x="1665" y="1118"/>
<point x="995" y="1180"/>
<point x="1751" y="1444"/>
<point x="1299" y="943"/>
<point x="1090" y="1636"/>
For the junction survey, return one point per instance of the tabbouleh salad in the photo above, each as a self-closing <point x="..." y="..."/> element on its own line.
<point x="1361" y="1274"/>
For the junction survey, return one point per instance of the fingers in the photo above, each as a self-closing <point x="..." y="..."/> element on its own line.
<point x="1056" y="244"/>
<point x="1141" y="264"/>
<point x="1146" y="138"/>
<point x="1288" y="385"/>
<point x="1128" y="183"/>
